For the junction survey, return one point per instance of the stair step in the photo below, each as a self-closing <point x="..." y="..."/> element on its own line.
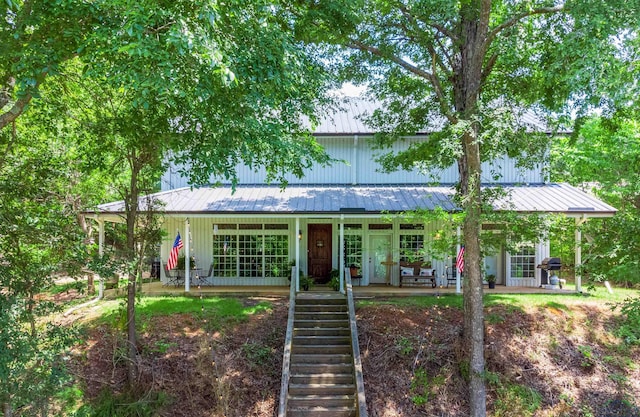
<point x="295" y="401"/>
<point x="321" y="359"/>
<point x="322" y="412"/>
<point x="325" y="331"/>
<point x="321" y="349"/>
<point x="321" y="340"/>
<point x="322" y="378"/>
<point x="321" y="389"/>
<point x="320" y="315"/>
<point x="310" y="300"/>
<point x="321" y="307"/>
<point x="306" y="323"/>
<point x="319" y="368"/>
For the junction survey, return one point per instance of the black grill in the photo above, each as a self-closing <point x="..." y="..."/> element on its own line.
<point x="548" y="264"/>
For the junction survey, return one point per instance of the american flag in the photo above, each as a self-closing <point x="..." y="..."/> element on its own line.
<point x="173" y="255"/>
<point x="460" y="260"/>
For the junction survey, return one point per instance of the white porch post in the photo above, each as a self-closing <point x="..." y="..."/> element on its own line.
<point x="458" y="286"/>
<point x="187" y="248"/>
<point x="578" y="250"/>
<point x="101" y="253"/>
<point x="341" y="254"/>
<point x="297" y="274"/>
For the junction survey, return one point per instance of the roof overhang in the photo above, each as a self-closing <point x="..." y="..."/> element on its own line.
<point x="361" y="201"/>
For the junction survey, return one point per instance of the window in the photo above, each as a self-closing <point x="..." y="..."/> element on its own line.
<point x="411" y="248"/>
<point x="225" y="256"/>
<point x="250" y="252"/>
<point x="276" y="256"/>
<point x="353" y="250"/>
<point x="523" y="263"/>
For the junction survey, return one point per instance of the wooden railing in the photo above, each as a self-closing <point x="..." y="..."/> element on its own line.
<point x="286" y="357"/>
<point x="361" y="402"/>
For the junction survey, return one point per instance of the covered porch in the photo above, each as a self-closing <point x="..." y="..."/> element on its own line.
<point x="251" y="236"/>
<point x="157" y="288"/>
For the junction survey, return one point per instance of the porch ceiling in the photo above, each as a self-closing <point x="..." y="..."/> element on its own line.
<point x="360" y="200"/>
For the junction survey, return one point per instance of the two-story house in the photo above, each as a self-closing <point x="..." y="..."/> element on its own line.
<point x="345" y="214"/>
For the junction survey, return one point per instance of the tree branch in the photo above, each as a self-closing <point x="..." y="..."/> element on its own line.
<point x="441" y="29"/>
<point x="16" y="110"/>
<point x="515" y="19"/>
<point x="355" y="44"/>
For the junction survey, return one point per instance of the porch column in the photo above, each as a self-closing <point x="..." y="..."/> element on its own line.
<point x="341" y="254"/>
<point x="101" y="253"/>
<point x="297" y="274"/>
<point x="187" y="248"/>
<point x="578" y="250"/>
<point x="458" y="277"/>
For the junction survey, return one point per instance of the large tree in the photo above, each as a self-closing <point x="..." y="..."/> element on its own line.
<point x="208" y="84"/>
<point x="463" y="69"/>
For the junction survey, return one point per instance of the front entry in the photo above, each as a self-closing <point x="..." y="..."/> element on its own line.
<point x="319" y="252"/>
<point x="380" y="259"/>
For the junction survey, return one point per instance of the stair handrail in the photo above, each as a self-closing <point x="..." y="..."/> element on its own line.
<point x="355" y="346"/>
<point x="286" y="356"/>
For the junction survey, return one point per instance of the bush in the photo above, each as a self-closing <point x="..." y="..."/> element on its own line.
<point x="629" y="329"/>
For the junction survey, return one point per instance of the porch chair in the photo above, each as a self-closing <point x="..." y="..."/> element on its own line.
<point x="353" y="272"/>
<point x="451" y="276"/>
<point x="204" y="279"/>
<point x="174" y="277"/>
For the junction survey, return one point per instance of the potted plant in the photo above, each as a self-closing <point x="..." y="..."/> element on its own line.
<point x="491" y="280"/>
<point x="181" y="262"/>
<point x="334" y="281"/>
<point x="306" y="282"/>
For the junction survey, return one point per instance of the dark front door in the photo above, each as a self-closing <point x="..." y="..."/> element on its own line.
<point x="319" y="244"/>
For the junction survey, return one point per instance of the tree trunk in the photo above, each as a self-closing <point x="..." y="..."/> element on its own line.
<point x="467" y="83"/>
<point x="132" y="214"/>
<point x="7" y="410"/>
<point x="473" y="292"/>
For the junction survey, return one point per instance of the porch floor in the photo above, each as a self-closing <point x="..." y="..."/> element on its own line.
<point x="156" y="288"/>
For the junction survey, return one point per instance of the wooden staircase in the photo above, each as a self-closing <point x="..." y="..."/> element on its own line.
<point x="322" y="381"/>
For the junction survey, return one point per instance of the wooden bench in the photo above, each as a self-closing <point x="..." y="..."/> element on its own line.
<point x="417" y="274"/>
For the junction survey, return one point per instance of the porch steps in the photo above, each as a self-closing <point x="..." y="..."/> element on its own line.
<point x="321" y="380"/>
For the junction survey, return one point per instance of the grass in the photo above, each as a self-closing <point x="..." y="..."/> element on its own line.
<point x="210" y="308"/>
<point x="561" y="301"/>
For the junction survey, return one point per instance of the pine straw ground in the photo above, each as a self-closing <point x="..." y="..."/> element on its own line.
<point x="544" y="361"/>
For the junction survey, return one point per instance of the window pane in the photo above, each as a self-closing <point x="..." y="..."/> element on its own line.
<point x="353" y="250"/>
<point x="523" y="263"/>
<point x="250" y="256"/>
<point x="225" y="256"/>
<point x="411" y="248"/>
<point x="276" y="256"/>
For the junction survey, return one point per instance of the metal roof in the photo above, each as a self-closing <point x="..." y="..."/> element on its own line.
<point x="361" y="199"/>
<point x="348" y="118"/>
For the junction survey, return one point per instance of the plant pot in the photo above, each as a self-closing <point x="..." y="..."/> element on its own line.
<point x="492" y="285"/>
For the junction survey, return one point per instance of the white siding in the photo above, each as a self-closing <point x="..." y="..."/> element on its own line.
<point x="356" y="165"/>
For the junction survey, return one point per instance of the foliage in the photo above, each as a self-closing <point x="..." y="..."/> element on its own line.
<point x="334" y="281"/>
<point x="629" y="328"/>
<point x="39" y="236"/>
<point x="603" y="157"/>
<point x="125" y="405"/>
<point x="515" y="400"/>
<point x="306" y="282"/>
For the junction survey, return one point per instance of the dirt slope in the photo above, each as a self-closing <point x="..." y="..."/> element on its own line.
<point x="546" y="361"/>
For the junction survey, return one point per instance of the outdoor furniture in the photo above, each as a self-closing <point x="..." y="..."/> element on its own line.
<point x="417" y="273"/>
<point x="353" y="272"/>
<point x="450" y="274"/>
<point x="204" y="279"/>
<point x="174" y="277"/>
